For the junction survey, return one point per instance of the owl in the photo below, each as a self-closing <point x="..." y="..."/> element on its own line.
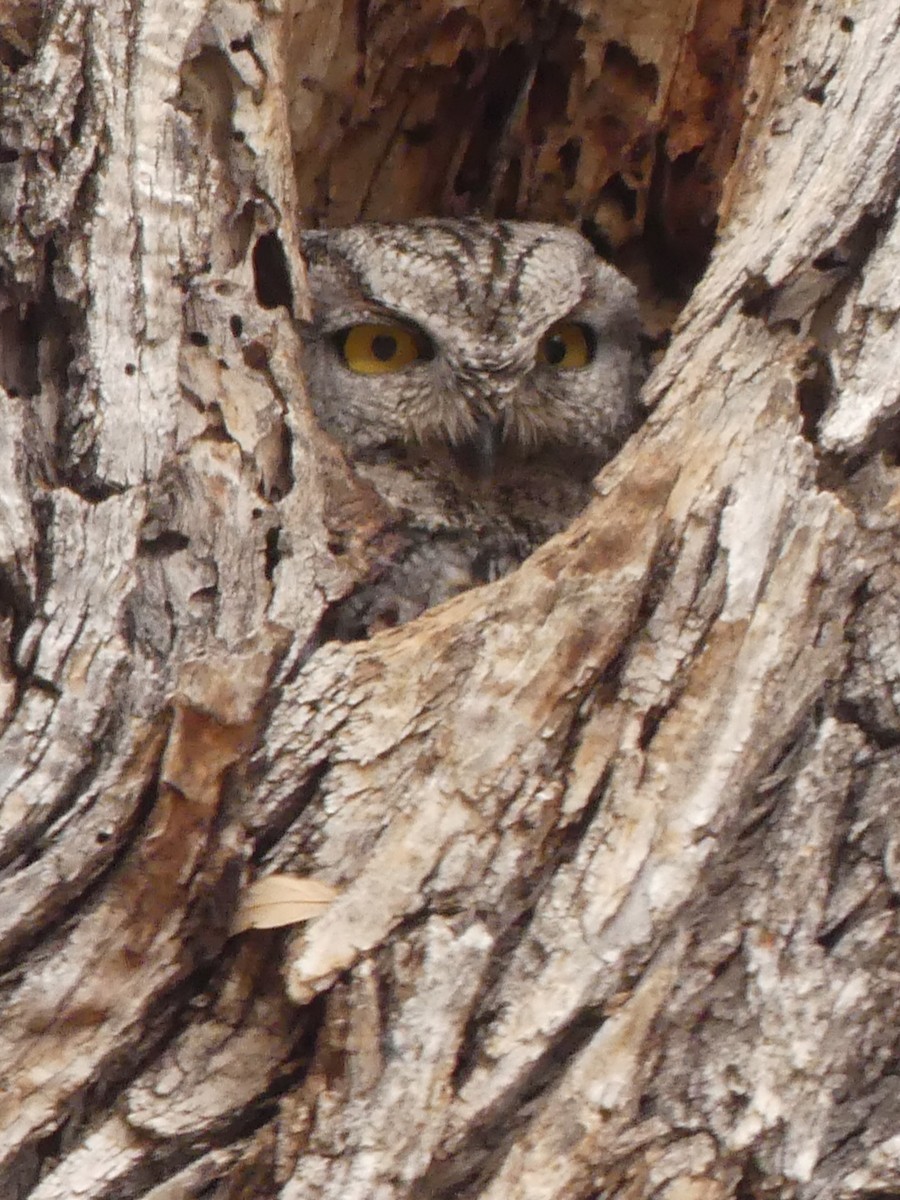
<point x="477" y="375"/>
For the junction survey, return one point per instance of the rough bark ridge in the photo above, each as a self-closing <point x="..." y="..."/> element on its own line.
<point x="617" y="836"/>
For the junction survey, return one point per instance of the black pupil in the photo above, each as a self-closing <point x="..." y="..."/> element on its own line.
<point x="384" y="346"/>
<point x="554" y="349"/>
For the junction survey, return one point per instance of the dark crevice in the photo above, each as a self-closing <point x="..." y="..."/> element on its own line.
<point x="657" y="579"/>
<point x="302" y="656"/>
<point x="753" y="1183"/>
<point x="839" y="472"/>
<point x="256" y="356"/>
<point x="885" y="439"/>
<point x="21" y="332"/>
<point x="815" y="393"/>
<point x="272" y="551"/>
<point x="548" y="96"/>
<point x="518" y="913"/>
<point x="757" y="297"/>
<point x="621" y="195"/>
<point x="164" y="1022"/>
<point x="16" y="606"/>
<point x="651" y="722"/>
<point x="419" y="134"/>
<point x="762" y="795"/>
<point x="271" y="275"/>
<point x="712" y="548"/>
<point x="852" y="1136"/>
<point x="44" y="687"/>
<point x="202" y="943"/>
<point x="723" y="964"/>
<point x="677" y="258"/>
<point x="277" y="818"/>
<point x="163" y="544"/>
<point x="13" y="57"/>
<point x="26" y="845"/>
<point x="829" y="938"/>
<point x="216" y="429"/>
<point x="504" y="76"/>
<point x="44" y="513"/>
<point x="847" y="258"/>
<point x="559" y="51"/>
<point x="851" y="713"/>
<point x="276" y="486"/>
<point x="80" y="475"/>
<point x="93" y="490"/>
<point x="763" y="804"/>
<point x="831" y="260"/>
<point x="204" y="595"/>
<point x="482" y="1152"/>
<point x="71" y="897"/>
<point x="569" y="155"/>
<point x="507" y="191"/>
<point x="641" y="79"/>
<point x="602" y="245"/>
<point x="847" y="850"/>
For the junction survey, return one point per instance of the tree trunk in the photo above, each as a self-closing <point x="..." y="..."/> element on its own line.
<point x="616" y="838"/>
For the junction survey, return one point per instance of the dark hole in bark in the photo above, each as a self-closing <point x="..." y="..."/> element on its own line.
<point x="500" y="88"/>
<point x="569" y="155"/>
<point x="273" y="552"/>
<point x="628" y="72"/>
<point x="814" y="393"/>
<point x="256" y="356"/>
<point x="624" y="197"/>
<point x="831" y="260"/>
<point x="164" y="544"/>
<point x="598" y="239"/>
<point x="270" y="273"/>
<point x="419" y="135"/>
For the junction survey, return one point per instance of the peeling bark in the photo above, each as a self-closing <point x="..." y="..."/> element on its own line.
<point x="616" y="837"/>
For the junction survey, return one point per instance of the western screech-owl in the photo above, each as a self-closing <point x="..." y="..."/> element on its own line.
<point x="477" y="375"/>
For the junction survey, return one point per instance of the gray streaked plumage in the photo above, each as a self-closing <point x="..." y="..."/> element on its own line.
<point x="482" y="446"/>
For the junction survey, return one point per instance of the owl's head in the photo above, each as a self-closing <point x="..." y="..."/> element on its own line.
<point x="489" y="339"/>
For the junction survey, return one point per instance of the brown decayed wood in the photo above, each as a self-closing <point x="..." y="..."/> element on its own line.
<point x="619" y="119"/>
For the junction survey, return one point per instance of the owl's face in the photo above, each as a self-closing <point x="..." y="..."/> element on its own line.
<point x="488" y="339"/>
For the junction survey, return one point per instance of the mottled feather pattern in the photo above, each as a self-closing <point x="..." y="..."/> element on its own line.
<point x="519" y="379"/>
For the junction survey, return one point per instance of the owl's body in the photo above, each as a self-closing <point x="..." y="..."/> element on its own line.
<point x="477" y="375"/>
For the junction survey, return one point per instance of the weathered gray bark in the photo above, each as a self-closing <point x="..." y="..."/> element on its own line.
<point x="617" y="837"/>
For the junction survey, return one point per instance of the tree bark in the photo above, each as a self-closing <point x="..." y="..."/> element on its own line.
<point x="616" y="838"/>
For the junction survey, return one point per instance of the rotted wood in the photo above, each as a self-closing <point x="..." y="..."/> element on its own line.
<point x="616" y="837"/>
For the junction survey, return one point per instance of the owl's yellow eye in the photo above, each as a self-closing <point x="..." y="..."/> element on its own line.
<point x="378" y="349"/>
<point x="566" y="346"/>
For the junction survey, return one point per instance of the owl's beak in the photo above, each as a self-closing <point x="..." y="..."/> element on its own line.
<point x="477" y="456"/>
<point x="488" y="436"/>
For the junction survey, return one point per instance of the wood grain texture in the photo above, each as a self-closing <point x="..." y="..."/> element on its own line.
<point x="616" y="837"/>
